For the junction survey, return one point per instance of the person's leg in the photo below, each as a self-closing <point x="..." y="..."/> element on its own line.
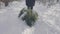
<point x="27" y="7"/>
<point x="32" y="8"/>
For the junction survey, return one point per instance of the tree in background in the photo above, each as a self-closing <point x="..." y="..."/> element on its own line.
<point x="7" y="1"/>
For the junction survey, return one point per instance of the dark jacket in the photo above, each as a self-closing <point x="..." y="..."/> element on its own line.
<point x="30" y="3"/>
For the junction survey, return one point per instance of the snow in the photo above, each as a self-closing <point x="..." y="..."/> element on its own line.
<point x="48" y="21"/>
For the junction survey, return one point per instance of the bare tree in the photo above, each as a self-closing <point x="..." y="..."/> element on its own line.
<point x="7" y="1"/>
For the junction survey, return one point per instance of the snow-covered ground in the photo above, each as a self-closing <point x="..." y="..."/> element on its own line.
<point x="48" y="21"/>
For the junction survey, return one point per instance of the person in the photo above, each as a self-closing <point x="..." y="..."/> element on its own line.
<point x="30" y="4"/>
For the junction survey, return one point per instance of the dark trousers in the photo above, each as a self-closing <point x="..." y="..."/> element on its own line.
<point x="30" y="7"/>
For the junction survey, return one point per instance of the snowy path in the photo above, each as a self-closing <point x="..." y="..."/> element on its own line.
<point x="46" y="24"/>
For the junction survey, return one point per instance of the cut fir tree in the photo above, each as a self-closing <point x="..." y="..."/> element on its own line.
<point x="30" y="17"/>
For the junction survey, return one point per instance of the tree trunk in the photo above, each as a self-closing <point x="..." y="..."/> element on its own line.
<point x="6" y="3"/>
